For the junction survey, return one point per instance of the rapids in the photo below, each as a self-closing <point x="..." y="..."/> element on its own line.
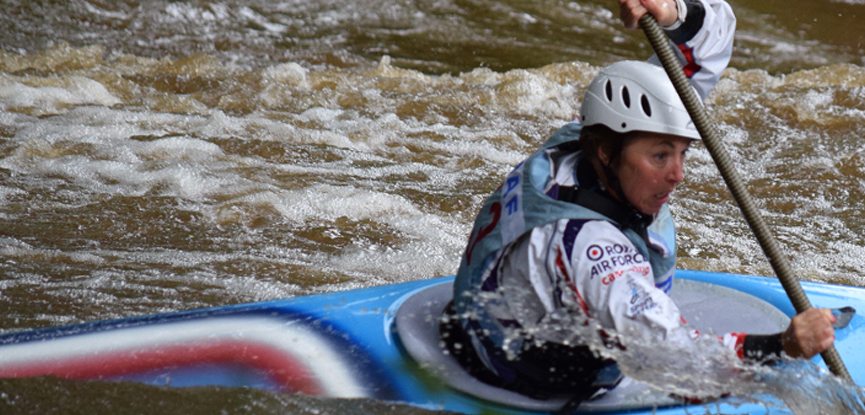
<point x="165" y="155"/>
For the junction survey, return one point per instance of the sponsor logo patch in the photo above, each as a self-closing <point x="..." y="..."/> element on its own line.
<point x="611" y="277"/>
<point x="640" y="300"/>
<point x="610" y="258"/>
<point x="595" y="252"/>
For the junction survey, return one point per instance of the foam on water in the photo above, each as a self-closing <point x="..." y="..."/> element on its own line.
<point x="6" y="192"/>
<point x="53" y="95"/>
<point x="793" y="139"/>
<point x="101" y="157"/>
<point x="181" y="13"/>
<point x="189" y="154"/>
<point x="137" y="185"/>
<point x="126" y="152"/>
<point x="427" y="238"/>
<point x="376" y="133"/>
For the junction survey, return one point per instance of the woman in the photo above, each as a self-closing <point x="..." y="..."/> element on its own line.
<point x="581" y="229"/>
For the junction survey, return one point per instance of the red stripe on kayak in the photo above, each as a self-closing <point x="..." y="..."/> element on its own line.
<point x="284" y="369"/>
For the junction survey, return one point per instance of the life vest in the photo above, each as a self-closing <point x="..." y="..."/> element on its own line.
<point x="520" y="205"/>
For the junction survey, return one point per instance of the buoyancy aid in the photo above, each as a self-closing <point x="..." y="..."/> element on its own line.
<point x="521" y="204"/>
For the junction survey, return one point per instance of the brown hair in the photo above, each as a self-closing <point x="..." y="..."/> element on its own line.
<point x="611" y="143"/>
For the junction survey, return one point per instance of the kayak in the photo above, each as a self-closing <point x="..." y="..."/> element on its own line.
<point x="382" y="343"/>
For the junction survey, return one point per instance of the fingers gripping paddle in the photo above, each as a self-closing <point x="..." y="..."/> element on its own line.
<point x="731" y="177"/>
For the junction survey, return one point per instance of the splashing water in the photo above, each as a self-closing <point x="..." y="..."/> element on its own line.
<point x="175" y="154"/>
<point x="705" y="369"/>
<point x="808" y="389"/>
<point x="689" y="365"/>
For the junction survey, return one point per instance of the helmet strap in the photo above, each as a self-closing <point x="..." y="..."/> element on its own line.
<point x="613" y="185"/>
<point x="608" y="179"/>
<point x="603" y="199"/>
<point x="604" y="160"/>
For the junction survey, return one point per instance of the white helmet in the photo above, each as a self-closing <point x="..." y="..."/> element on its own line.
<point x="636" y="96"/>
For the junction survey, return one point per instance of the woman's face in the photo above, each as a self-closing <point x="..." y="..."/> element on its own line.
<point x="650" y="167"/>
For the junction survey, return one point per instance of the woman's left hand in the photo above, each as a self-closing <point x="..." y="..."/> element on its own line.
<point x="664" y="11"/>
<point x="809" y="333"/>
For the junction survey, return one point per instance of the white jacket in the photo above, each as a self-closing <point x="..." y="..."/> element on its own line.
<point x="610" y="281"/>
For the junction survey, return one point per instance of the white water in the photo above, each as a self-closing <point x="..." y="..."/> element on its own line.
<point x="171" y="155"/>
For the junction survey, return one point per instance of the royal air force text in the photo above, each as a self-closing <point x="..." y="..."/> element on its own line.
<point x="615" y="257"/>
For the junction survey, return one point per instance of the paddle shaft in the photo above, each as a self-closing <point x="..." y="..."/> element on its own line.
<point x="734" y="182"/>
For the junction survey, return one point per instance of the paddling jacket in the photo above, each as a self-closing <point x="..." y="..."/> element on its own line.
<point x="535" y="303"/>
<point x="549" y="250"/>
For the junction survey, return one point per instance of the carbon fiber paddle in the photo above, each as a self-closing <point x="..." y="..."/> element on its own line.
<point x="734" y="182"/>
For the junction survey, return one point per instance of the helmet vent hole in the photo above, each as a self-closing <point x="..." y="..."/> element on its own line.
<point x="647" y="109"/>
<point x="626" y="97"/>
<point x="608" y="89"/>
<point x="624" y="125"/>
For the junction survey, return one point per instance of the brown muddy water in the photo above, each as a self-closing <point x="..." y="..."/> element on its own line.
<point x="167" y="155"/>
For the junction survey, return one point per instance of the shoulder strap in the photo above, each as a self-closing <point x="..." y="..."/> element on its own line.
<point x="587" y="196"/>
<point x="623" y="216"/>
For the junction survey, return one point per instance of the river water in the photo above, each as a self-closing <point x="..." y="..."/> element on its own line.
<point x="167" y="155"/>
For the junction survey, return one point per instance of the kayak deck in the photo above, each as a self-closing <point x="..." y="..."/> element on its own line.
<point x="706" y="305"/>
<point x="340" y="344"/>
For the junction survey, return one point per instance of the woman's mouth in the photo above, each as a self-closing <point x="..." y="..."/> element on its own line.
<point x="663" y="197"/>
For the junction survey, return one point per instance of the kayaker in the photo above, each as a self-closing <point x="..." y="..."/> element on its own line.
<point x="581" y="229"/>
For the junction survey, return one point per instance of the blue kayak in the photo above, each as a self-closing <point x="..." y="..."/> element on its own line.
<point x="380" y="343"/>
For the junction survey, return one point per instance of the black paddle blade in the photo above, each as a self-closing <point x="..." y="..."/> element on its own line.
<point x="843" y="316"/>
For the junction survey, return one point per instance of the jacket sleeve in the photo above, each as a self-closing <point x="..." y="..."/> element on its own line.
<point x="618" y="287"/>
<point x="618" y="290"/>
<point x="704" y="42"/>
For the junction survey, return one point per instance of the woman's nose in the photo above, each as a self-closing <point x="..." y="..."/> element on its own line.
<point x="677" y="171"/>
